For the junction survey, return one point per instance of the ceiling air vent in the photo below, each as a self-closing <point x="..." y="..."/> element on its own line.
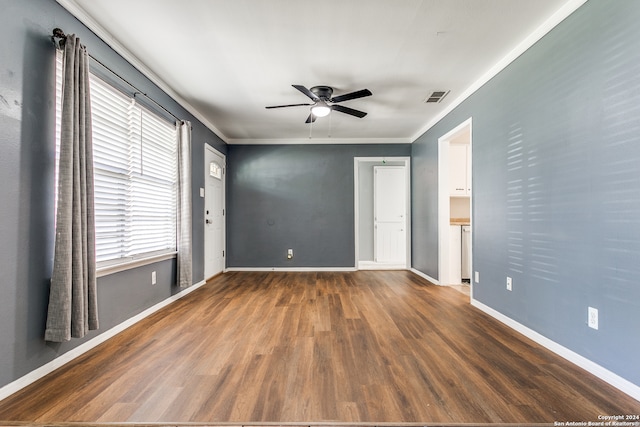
<point x="436" y="96"/>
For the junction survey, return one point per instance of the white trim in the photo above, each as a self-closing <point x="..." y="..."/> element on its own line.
<point x="604" y="374"/>
<point x="373" y="265"/>
<point x="67" y="357"/>
<point x="567" y="9"/>
<point x="139" y="262"/>
<point x="444" y="212"/>
<point x="215" y="152"/>
<point x="425" y="276"/>
<point x="76" y="10"/>
<point x="356" y="196"/>
<point x="356" y="212"/>
<point x="555" y="19"/>
<point x="308" y="141"/>
<point x="291" y="269"/>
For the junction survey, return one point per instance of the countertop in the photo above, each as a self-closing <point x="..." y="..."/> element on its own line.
<point x="460" y="221"/>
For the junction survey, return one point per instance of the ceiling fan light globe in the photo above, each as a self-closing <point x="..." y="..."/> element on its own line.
<point x="320" y="110"/>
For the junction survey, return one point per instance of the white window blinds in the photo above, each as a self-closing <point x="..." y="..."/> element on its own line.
<point x="135" y="175"/>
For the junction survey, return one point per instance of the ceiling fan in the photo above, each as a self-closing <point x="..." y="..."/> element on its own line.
<point x="323" y="103"/>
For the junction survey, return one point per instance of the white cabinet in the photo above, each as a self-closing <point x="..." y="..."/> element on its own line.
<point x="459" y="173"/>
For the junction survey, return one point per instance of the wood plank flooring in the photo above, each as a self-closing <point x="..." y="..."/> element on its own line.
<point x="356" y="347"/>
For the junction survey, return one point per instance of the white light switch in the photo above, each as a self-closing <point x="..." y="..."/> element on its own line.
<point x="201" y="192"/>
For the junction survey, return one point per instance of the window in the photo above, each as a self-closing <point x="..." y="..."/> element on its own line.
<point x="135" y="175"/>
<point x="215" y="170"/>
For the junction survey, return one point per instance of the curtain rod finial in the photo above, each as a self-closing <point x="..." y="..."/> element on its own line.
<point x="58" y="37"/>
<point x="57" y="32"/>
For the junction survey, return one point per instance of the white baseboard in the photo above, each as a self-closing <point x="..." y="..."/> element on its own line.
<point x="425" y="276"/>
<point x="67" y="357"/>
<point x="291" y="269"/>
<point x="373" y="265"/>
<point x="604" y="374"/>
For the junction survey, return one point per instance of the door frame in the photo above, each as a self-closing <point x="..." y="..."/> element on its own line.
<point x="443" y="200"/>
<point x="376" y="236"/>
<point x="203" y="194"/>
<point x="356" y="192"/>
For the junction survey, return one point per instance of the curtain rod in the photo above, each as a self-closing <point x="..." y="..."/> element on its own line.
<point x="59" y="34"/>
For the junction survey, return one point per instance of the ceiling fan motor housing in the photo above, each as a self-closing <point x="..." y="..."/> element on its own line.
<point x="322" y="92"/>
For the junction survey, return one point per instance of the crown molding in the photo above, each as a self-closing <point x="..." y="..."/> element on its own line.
<point x="555" y="19"/>
<point x="76" y="10"/>
<point x="312" y="141"/>
<point x="567" y="9"/>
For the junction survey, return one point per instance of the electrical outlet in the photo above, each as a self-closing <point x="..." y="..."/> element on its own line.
<point x="476" y="277"/>
<point x="509" y="284"/>
<point x="153" y="277"/>
<point x="593" y="318"/>
<point x="289" y="253"/>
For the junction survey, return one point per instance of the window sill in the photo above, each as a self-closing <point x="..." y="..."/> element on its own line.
<point x="128" y="265"/>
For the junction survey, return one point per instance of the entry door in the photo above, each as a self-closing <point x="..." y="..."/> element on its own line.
<point x="390" y="214"/>
<point x="213" y="213"/>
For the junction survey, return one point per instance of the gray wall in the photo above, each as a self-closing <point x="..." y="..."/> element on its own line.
<point x="27" y="121"/>
<point x="294" y="196"/>
<point x="556" y="186"/>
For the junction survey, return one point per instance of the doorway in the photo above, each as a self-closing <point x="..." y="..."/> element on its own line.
<point x="455" y="231"/>
<point x="382" y="213"/>
<point x="214" y="212"/>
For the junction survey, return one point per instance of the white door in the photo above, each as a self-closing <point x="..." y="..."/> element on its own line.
<point x="390" y="214"/>
<point x="213" y="213"/>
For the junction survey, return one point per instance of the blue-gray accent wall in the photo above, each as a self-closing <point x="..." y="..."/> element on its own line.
<point x="27" y="127"/>
<point x="556" y="186"/>
<point x="298" y="197"/>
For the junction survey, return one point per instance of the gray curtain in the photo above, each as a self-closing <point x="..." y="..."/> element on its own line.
<point x="73" y="307"/>
<point x="184" y="204"/>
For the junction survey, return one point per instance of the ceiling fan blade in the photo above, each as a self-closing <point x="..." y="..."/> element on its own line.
<point x="353" y="95"/>
<point x="311" y="118"/>
<point x="289" y="105"/>
<point x="306" y="92"/>
<point x="348" y="110"/>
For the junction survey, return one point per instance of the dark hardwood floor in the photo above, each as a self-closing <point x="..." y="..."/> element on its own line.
<point x="361" y="347"/>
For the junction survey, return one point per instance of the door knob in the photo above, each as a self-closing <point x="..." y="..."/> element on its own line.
<point x="207" y="221"/>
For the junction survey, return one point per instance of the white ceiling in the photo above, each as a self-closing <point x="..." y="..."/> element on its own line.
<point x="226" y="60"/>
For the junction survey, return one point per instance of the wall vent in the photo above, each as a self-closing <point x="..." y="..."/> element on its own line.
<point x="436" y="96"/>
